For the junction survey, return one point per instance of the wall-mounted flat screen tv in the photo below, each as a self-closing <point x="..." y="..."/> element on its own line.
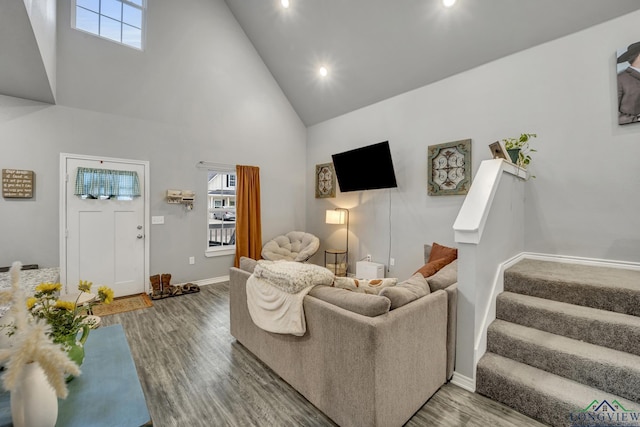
<point x="365" y="168"/>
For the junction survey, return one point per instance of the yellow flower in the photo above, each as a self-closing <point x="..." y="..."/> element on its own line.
<point x="31" y="301"/>
<point x="105" y="294"/>
<point x="67" y="305"/>
<point x="85" y="286"/>
<point x="48" y="288"/>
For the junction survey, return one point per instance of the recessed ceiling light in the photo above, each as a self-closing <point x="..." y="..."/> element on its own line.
<point x="323" y="71"/>
<point x="285" y="3"/>
<point x="448" y="3"/>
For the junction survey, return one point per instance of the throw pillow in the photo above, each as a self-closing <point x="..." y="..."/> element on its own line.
<point x="439" y="251"/>
<point x="365" y="304"/>
<point x="366" y="286"/>
<point x="410" y="290"/>
<point x="447" y="276"/>
<point x="432" y="267"/>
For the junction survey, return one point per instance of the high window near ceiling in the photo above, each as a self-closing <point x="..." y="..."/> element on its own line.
<point x="121" y="21"/>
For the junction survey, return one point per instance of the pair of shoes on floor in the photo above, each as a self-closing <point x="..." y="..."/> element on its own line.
<point x="156" y="286"/>
<point x="161" y="287"/>
<point x="189" y="288"/>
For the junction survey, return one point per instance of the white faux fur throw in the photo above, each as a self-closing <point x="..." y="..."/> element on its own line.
<point x="292" y="277"/>
<point x="274" y="310"/>
<point x="275" y="293"/>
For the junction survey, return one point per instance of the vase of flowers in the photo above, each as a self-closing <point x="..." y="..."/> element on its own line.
<point x="67" y="318"/>
<point x="75" y="346"/>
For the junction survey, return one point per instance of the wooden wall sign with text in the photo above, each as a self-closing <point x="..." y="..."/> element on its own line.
<point x="17" y="183"/>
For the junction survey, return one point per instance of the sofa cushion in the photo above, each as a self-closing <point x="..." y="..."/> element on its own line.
<point x="439" y="251"/>
<point x="410" y="290"/>
<point x="432" y="267"/>
<point x="365" y="304"/>
<point x="365" y="286"/>
<point x="248" y="264"/>
<point x="444" y="278"/>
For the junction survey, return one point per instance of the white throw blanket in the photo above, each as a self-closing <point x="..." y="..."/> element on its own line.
<point x="275" y="293"/>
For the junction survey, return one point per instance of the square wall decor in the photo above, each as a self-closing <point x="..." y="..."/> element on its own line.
<point x="449" y="168"/>
<point x="325" y="181"/>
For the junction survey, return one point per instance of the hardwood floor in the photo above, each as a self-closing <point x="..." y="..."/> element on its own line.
<point x="194" y="373"/>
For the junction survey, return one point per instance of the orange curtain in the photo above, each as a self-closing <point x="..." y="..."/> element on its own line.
<point x="248" y="224"/>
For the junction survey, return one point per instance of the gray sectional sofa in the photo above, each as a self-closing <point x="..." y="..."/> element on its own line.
<point x="359" y="362"/>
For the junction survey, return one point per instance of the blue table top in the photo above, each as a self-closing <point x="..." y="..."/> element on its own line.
<point x="107" y="393"/>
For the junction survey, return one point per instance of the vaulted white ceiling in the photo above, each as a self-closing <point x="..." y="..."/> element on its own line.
<point x="376" y="49"/>
<point x="373" y="49"/>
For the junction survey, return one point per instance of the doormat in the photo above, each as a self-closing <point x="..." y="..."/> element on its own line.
<point x="123" y="304"/>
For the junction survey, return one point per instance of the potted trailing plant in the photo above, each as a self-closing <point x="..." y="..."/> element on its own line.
<point x="519" y="149"/>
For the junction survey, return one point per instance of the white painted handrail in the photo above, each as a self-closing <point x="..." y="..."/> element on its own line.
<point x="473" y="214"/>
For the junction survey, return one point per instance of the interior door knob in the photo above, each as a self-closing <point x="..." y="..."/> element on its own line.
<point x="139" y="236"/>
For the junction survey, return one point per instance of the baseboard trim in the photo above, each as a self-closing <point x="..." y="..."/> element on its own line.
<point x="628" y="265"/>
<point x="464" y="382"/>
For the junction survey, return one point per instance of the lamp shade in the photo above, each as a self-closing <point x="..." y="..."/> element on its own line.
<point x="335" y="217"/>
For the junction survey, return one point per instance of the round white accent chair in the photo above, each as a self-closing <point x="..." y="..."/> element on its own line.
<point x="293" y="246"/>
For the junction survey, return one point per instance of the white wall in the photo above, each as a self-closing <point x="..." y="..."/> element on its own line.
<point x="584" y="201"/>
<point x="199" y="91"/>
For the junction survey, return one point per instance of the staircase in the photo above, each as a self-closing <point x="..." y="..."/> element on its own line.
<point x="565" y="346"/>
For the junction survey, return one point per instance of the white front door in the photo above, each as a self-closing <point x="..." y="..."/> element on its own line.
<point x="105" y="238"/>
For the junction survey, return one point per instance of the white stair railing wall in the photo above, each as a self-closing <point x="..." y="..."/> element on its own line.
<point x="489" y="229"/>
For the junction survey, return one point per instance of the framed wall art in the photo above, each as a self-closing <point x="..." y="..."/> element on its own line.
<point x="325" y="181"/>
<point x="627" y="68"/>
<point x="18" y="183"/>
<point x="449" y="168"/>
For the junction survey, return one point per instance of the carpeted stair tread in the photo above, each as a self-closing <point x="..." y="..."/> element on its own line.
<point x="613" y="330"/>
<point x="546" y="397"/>
<point x="605" y="288"/>
<point x="610" y="370"/>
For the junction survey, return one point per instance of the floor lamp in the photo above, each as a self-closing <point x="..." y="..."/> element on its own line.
<point x="340" y="216"/>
